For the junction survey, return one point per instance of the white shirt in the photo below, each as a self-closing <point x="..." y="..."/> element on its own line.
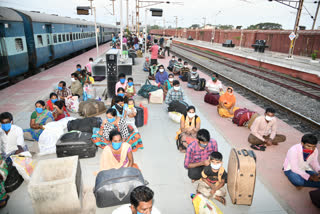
<point x="125" y="209"/>
<point x="214" y="86"/>
<point x="169" y="42"/>
<point x="9" y="143"/>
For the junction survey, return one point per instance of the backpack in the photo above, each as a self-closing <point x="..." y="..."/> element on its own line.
<point x="84" y="124"/>
<point x="201" y="85"/>
<point x="241" y="116"/>
<point x="178" y="106"/>
<point x="184" y="77"/>
<point x="146" y="89"/>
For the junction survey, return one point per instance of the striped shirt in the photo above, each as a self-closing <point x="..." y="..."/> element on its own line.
<point x="174" y="95"/>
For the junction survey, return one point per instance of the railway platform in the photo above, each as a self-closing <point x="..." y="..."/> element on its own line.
<point x="299" y="67"/>
<point x="160" y="161"/>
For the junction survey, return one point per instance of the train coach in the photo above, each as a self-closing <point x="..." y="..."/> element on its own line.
<point x="30" y="40"/>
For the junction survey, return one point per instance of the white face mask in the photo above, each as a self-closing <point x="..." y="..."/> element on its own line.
<point x="173" y="59"/>
<point x="191" y="115"/>
<point x="171" y="79"/>
<point x="161" y="70"/>
<point x="268" y="118"/>
<point x="215" y="167"/>
<point x="72" y="79"/>
<point x="185" y="66"/>
<point x="91" y="62"/>
<point x="176" y="88"/>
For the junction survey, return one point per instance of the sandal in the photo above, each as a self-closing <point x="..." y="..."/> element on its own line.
<point x="6" y="202"/>
<point x="259" y="147"/>
<point x="221" y="199"/>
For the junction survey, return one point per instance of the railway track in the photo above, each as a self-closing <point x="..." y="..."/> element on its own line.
<point x="302" y="87"/>
<point x="290" y="116"/>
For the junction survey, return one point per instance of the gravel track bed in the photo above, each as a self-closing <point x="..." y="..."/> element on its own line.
<point x="293" y="100"/>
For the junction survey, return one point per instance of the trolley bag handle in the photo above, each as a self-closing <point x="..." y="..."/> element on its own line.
<point x="244" y="152"/>
<point x="253" y="155"/>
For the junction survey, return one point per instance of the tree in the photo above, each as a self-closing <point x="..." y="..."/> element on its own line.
<point x="153" y="27"/>
<point x="265" y="26"/>
<point x="225" y="27"/>
<point x="194" y="26"/>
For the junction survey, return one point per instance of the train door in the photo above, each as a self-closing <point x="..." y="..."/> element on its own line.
<point x="49" y="41"/>
<point x="4" y="71"/>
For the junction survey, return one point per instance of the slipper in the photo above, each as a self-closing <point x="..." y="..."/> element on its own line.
<point x="258" y="147"/>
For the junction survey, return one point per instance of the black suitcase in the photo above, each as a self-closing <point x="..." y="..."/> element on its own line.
<point x="85" y="124"/>
<point x="178" y="106"/>
<point x="76" y="143"/>
<point x="14" y="179"/>
<point x="139" y="118"/>
<point x="201" y="85"/>
<point x="113" y="187"/>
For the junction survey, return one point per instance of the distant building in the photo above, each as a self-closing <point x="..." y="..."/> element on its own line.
<point x="208" y="27"/>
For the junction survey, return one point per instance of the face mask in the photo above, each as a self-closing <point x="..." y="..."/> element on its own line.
<point x="203" y="145"/>
<point x="213" y="78"/>
<point x="122" y="81"/>
<point x="171" y="79"/>
<point x="130" y="106"/>
<point x="309" y="151"/>
<point x="116" y="146"/>
<point x="121" y="94"/>
<point x="268" y="118"/>
<point x="215" y="167"/>
<point x="111" y="120"/>
<point x="176" y="88"/>
<point x="191" y="115"/>
<point x="54" y="100"/>
<point x="193" y="72"/>
<point x="72" y="79"/>
<point x="60" y="88"/>
<point x="173" y="59"/>
<point x="6" y="126"/>
<point x="130" y="84"/>
<point x="161" y="70"/>
<point x="39" y="110"/>
<point x="91" y="62"/>
<point x="185" y="66"/>
<point x="78" y="69"/>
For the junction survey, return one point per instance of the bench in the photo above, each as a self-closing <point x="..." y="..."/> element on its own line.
<point x="260" y="45"/>
<point x="228" y="43"/>
<point x="190" y="38"/>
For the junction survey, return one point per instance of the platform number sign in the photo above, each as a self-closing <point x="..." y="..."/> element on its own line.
<point x="292" y="36"/>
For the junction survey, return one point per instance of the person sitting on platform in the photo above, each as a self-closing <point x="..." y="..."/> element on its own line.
<point x="131" y="112"/>
<point x="193" y="78"/>
<point x="161" y="76"/>
<point x="78" y="68"/>
<point x="175" y="93"/>
<point x="141" y="201"/>
<point x="139" y="53"/>
<point x="197" y="154"/>
<point x="11" y="137"/>
<point x="59" y="110"/>
<point x="214" y="85"/>
<point x="177" y="67"/>
<point x="184" y="71"/>
<point x="62" y="91"/>
<point x="130" y="89"/>
<point x="146" y="65"/>
<point x="76" y="87"/>
<point x="168" y="84"/>
<point x="4" y="197"/>
<point x="122" y="82"/>
<point x="119" y="106"/>
<point x="214" y="177"/>
<point x="264" y="130"/>
<point x="153" y="71"/>
<point x="172" y="62"/>
<point x="84" y="78"/>
<point x="301" y="165"/>
<point x="227" y="102"/>
<point x="40" y="117"/>
<point x="189" y="126"/>
<point x="52" y="106"/>
<point x="161" y="54"/>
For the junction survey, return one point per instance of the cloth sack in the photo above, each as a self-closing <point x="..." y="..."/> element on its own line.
<point x="24" y="164"/>
<point x="156" y="96"/>
<point x="175" y="116"/>
<point x="72" y="103"/>
<point x="202" y="205"/>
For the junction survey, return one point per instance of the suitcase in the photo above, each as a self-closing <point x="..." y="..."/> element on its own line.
<point x="14" y="179"/>
<point x="178" y="106"/>
<point x="156" y="96"/>
<point x="201" y="85"/>
<point x="113" y="187"/>
<point x="241" y="176"/>
<point x="139" y="118"/>
<point x="145" y="114"/>
<point x="212" y="99"/>
<point x="76" y="143"/>
<point x="84" y="124"/>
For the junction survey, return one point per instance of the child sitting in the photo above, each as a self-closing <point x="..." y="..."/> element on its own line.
<point x="131" y="112"/>
<point x="152" y="72"/>
<point x="130" y="89"/>
<point x="146" y="66"/>
<point x="213" y="179"/>
<point x="161" y="54"/>
<point x="177" y="67"/>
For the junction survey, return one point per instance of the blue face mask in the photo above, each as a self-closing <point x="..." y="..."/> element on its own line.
<point x="39" y="110"/>
<point x="60" y="88"/>
<point x="78" y="69"/>
<point x="111" y="120"/>
<point x="130" y="84"/>
<point x="6" y="126"/>
<point x="54" y="100"/>
<point x="122" y="81"/>
<point x="116" y="146"/>
<point x="203" y="145"/>
<point x="121" y="94"/>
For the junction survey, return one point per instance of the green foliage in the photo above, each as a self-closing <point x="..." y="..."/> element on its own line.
<point x="314" y="55"/>
<point x="265" y="26"/>
<point x="194" y="26"/>
<point x="201" y="33"/>
<point x="225" y="27"/>
<point x="237" y="37"/>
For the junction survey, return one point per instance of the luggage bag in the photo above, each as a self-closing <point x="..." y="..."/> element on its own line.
<point x="91" y="108"/>
<point x="139" y="118"/>
<point x="145" y="114"/>
<point x="113" y="187"/>
<point x="212" y="99"/>
<point x="156" y="96"/>
<point x="178" y="106"/>
<point x="241" y="116"/>
<point x="315" y="197"/>
<point x="84" y="124"/>
<point x="76" y="143"/>
<point x="241" y="176"/>
<point x="14" y="179"/>
<point x="201" y="85"/>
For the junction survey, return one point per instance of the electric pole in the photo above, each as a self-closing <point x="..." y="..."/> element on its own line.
<point x="204" y="21"/>
<point x="315" y="17"/>
<point x="112" y="5"/>
<point x="127" y="14"/>
<point x="176" y="25"/>
<point x="95" y="26"/>
<point x="296" y="25"/>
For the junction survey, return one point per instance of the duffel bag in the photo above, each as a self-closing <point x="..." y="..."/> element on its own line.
<point x="315" y="197"/>
<point x="113" y="187"/>
<point x="91" y="108"/>
<point x="139" y="118"/>
<point x="84" y="124"/>
<point x="178" y="106"/>
<point x="238" y="114"/>
<point x="252" y="119"/>
<point x="146" y="89"/>
<point x="245" y="118"/>
<point x="14" y="179"/>
<point x="212" y="99"/>
<point x="184" y="77"/>
<point x="156" y="96"/>
<point x="201" y="85"/>
<point x="175" y="116"/>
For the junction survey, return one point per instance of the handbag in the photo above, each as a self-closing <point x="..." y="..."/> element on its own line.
<point x="146" y="89"/>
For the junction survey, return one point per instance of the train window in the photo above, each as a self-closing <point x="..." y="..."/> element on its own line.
<point x="55" y="38"/>
<point x="59" y="38"/>
<point x="77" y="36"/>
<point x="48" y="39"/>
<point x="19" y="45"/>
<point x="71" y="36"/>
<point x="40" y="42"/>
<point x="64" y="37"/>
<point x="67" y="37"/>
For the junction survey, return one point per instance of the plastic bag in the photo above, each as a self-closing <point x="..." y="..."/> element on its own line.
<point x="89" y="92"/>
<point x="202" y="205"/>
<point x="24" y="164"/>
<point x="72" y="103"/>
<point x="175" y="116"/>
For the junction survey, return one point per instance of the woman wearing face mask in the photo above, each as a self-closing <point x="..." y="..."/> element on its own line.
<point x="76" y="86"/>
<point x="119" y="106"/>
<point x="51" y="106"/>
<point x="161" y="75"/>
<point x="121" y="93"/>
<point x="168" y="84"/>
<point x="189" y="126"/>
<point x="40" y="117"/>
<point x="227" y="102"/>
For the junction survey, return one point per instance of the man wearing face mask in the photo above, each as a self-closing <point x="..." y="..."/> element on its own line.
<point x="161" y="76"/>
<point x="78" y="68"/>
<point x="11" y="136"/>
<point x="172" y="62"/>
<point x="193" y="78"/>
<point x="264" y="131"/>
<point x="62" y="91"/>
<point x="197" y="154"/>
<point x="122" y="82"/>
<point x="184" y="71"/>
<point x="175" y="93"/>
<point x="76" y="87"/>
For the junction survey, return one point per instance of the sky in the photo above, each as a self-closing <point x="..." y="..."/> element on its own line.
<point x="225" y="12"/>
